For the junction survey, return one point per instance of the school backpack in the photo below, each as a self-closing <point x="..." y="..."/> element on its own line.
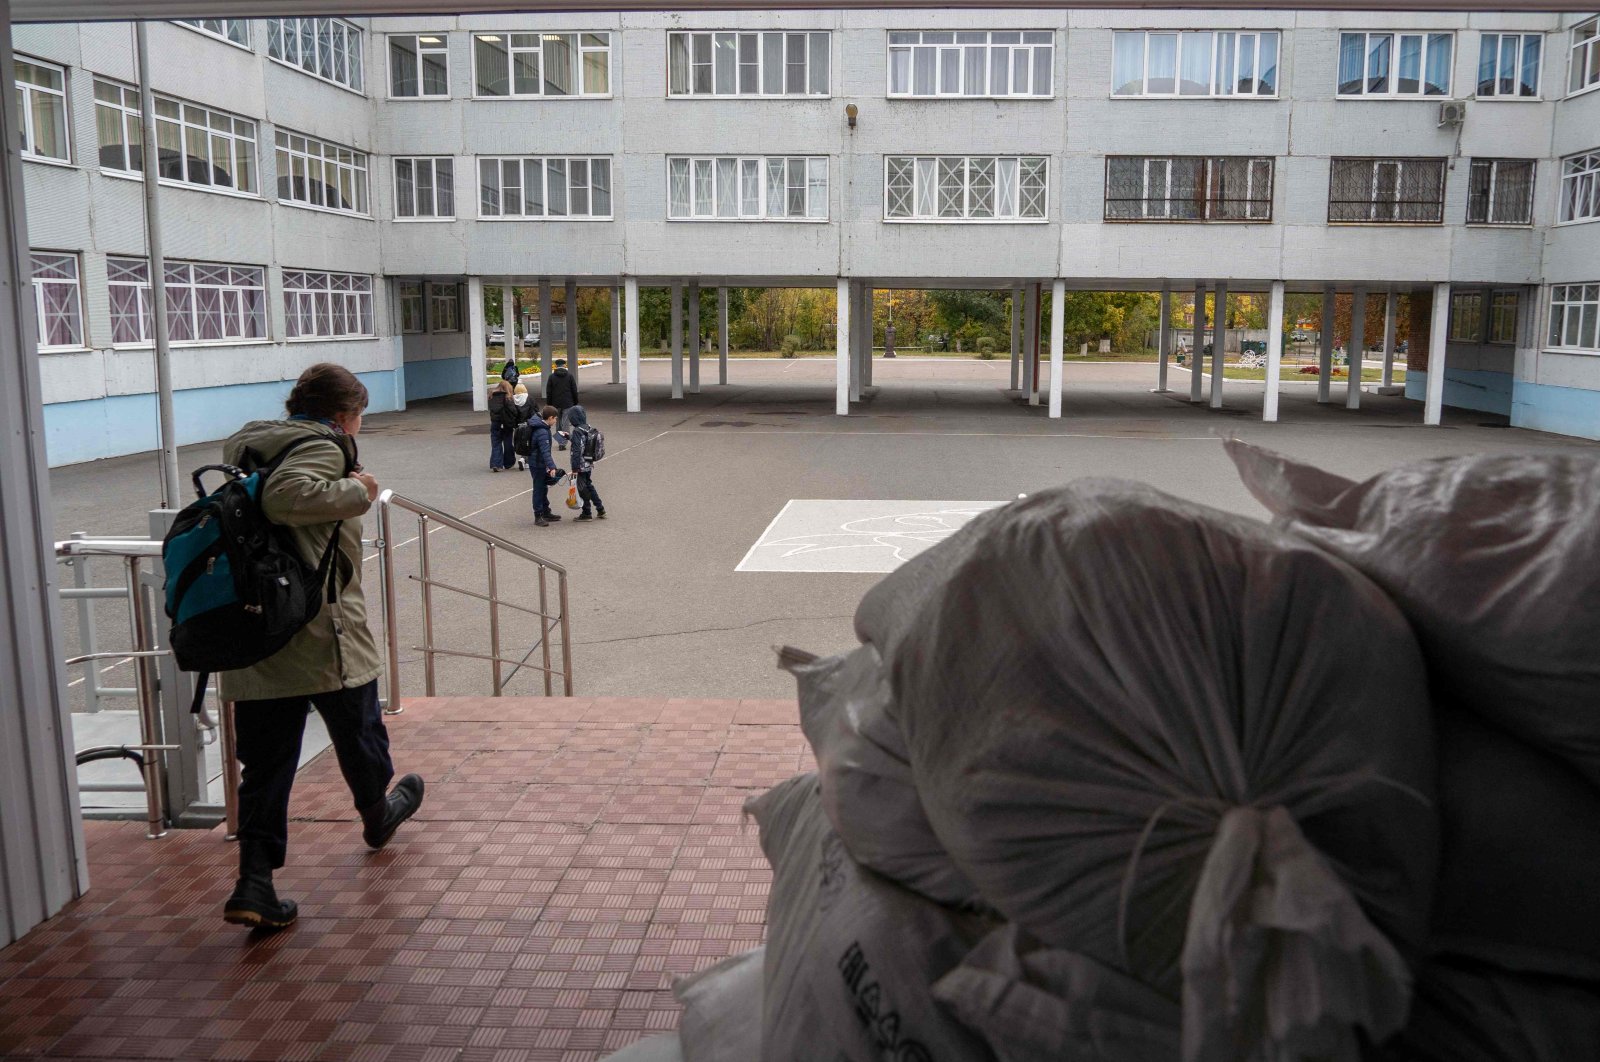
<point x="236" y="588"/>
<point x="594" y="442"/>
<point x="522" y="439"/>
<point x="510" y="372"/>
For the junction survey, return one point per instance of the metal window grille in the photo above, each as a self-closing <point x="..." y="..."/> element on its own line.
<point x="1387" y="191"/>
<point x="1500" y="192"/>
<point x="1188" y="188"/>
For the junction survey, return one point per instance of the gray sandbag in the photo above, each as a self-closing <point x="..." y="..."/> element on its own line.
<point x="851" y="955"/>
<point x="722" y="1010"/>
<point x="1495" y="559"/>
<point x="1519" y="863"/>
<point x="864" y="771"/>
<point x="1474" y="1012"/>
<point x="1190" y="747"/>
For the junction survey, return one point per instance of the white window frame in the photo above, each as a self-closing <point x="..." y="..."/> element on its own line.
<point x="350" y="61"/>
<point x="1207" y="178"/>
<point x="925" y="167"/>
<point x="988" y="44"/>
<point x="1494" y="172"/>
<point x="1580" y="189"/>
<point x="224" y="32"/>
<point x="1214" y="46"/>
<point x="1393" y="76"/>
<point x="1374" y="200"/>
<point x="730" y="37"/>
<point x="712" y="168"/>
<point x="545" y="172"/>
<point x="1497" y="41"/>
<point x="434" y="164"/>
<point x="357" y="164"/>
<point x="1577" y="302"/>
<point x="76" y="283"/>
<point x="412" y="294"/>
<point x="580" y="49"/>
<point x="191" y="121"/>
<point x="424" y="44"/>
<point x="301" y="291"/>
<point x="1492" y="316"/>
<point x="1583" y="57"/>
<point x="26" y="90"/>
<point x="184" y="290"/>
<point x="444" y="301"/>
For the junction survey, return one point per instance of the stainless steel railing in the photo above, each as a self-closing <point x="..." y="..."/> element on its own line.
<point x="430" y="519"/>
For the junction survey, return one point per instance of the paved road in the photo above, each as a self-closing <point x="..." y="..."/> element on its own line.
<point x="657" y="607"/>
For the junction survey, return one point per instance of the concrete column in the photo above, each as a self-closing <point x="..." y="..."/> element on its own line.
<point x="477" y="338"/>
<point x="722" y="336"/>
<point x="1016" y="336"/>
<point x="866" y="334"/>
<point x="631" y="336"/>
<point x="1219" y="343"/>
<point x="547" y="334"/>
<point x="1030" y="340"/>
<point x="1391" y="310"/>
<point x="1358" y="349"/>
<point x="841" y="341"/>
<point x="1058" y="298"/>
<point x="571" y="295"/>
<point x="694" y="337"/>
<point x="1269" y="402"/>
<point x="1438" y="337"/>
<point x="1164" y="340"/>
<point x="507" y="321"/>
<point x="677" y="338"/>
<point x="855" y="340"/>
<point x="616" y="335"/>
<point x="1325" y="342"/>
<point x="1197" y="343"/>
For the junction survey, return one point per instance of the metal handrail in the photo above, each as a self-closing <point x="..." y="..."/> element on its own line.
<point x="494" y="545"/>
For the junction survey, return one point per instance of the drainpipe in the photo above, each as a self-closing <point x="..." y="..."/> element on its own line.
<point x="170" y="490"/>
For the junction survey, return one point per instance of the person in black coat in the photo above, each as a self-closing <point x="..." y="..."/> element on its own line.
<point x="503" y="422"/>
<point x="562" y="393"/>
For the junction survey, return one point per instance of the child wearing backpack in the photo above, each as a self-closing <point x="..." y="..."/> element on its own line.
<point x="588" y="446"/>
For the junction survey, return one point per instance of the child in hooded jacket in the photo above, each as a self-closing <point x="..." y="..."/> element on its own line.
<point x="582" y="436"/>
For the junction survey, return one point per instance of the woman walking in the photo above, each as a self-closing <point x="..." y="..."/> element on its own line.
<point x="503" y="422"/>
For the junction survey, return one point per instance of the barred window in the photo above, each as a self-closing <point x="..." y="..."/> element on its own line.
<point x="1395" y="65"/>
<point x="1574" y="315"/>
<point x="1188" y="188"/>
<point x="757" y="188"/>
<point x="232" y="30"/>
<point x="735" y="63"/>
<point x="424" y="188"/>
<point x="1508" y="65"/>
<point x="314" y="173"/>
<point x="1466" y="316"/>
<point x="544" y="187"/>
<point x="1395" y="191"/>
<point x="57" y="300"/>
<point x="973" y="63"/>
<point x="965" y="188"/>
<point x="195" y="145"/>
<point x="1583" y="64"/>
<point x="207" y="302"/>
<point x="413" y="309"/>
<point x="1503" y="317"/>
<point x="1580" y="187"/>
<point x="42" y="110"/>
<point x="1194" y="63"/>
<point x="444" y="307"/>
<point x="1500" y="192"/>
<point x="326" y="305"/>
<point x="419" y="65"/>
<point x="326" y="48"/>
<point x="541" y="64"/>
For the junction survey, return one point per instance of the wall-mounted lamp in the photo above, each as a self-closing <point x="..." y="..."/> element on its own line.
<point x="850" y="114"/>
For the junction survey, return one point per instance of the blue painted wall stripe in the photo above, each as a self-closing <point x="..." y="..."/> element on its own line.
<point x="1563" y="410"/>
<point x="1478" y="389"/>
<point x="442" y="376"/>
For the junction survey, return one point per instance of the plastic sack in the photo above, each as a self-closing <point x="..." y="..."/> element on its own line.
<point x="851" y="955"/>
<point x="572" y="494"/>
<point x="1495" y="559"/>
<point x="722" y="1010"/>
<point x="1188" y="746"/>
<point x="864" y="771"/>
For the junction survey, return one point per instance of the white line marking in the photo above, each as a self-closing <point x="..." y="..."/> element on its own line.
<point x="764" y="533"/>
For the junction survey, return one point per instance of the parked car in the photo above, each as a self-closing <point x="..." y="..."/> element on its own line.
<point x="497" y="337"/>
<point x="1298" y="336"/>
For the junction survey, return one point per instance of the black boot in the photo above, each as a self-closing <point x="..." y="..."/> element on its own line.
<point x="254" y="902"/>
<point x="382" y="819"/>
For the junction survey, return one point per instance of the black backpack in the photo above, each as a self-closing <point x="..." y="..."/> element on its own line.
<point x="522" y="439"/>
<point x="509" y="373"/>
<point x="236" y="588"/>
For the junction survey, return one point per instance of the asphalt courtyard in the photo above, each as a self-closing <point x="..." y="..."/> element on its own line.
<point x="657" y="608"/>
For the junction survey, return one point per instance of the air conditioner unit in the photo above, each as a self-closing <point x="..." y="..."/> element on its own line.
<point x="1453" y="112"/>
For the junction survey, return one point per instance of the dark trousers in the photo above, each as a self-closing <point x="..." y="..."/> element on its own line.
<point x="587" y="492"/>
<point x="541" y="489"/>
<point x="501" y="455"/>
<point x="269" y="735"/>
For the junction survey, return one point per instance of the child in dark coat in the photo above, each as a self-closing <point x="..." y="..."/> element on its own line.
<point x="582" y="436"/>
<point x="542" y="465"/>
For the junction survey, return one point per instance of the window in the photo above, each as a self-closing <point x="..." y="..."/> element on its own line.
<point x="232" y="30"/>
<point x="326" y="48"/>
<point x="759" y="188"/>
<point x="413" y="309"/>
<point x="1580" y="187"/>
<point x="1503" y="317"/>
<point x="964" y="188"/>
<point x="1574" y="309"/>
<point x="728" y="63"/>
<point x="1194" y="63"/>
<point x="56" y="301"/>
<point x="207" y="302"/>
<point x="444" y="303"/>
<point x="1466" y="316"/>
<point x="1395" y="65"/>
<point x="316" y="174"/>
<point x="574" y="188"/>
<point x="541" y="64"/>
<point x="419" y="65"/>
<point x="42" y="101"/>
<point x="326" y="305"/>
<point x="195" y="145"/>
<point x="1188" y="188"/>
<point x="972" y="63"/>
<point x="1500" y="192"/>
<point x="1583" y="65"/>
<point x="1508" y="65"/>
<point x="1406" y="191"/>
<point x="424" y="188"/>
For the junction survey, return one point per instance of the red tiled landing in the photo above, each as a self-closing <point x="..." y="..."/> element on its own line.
<point x="573" y="857"/>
